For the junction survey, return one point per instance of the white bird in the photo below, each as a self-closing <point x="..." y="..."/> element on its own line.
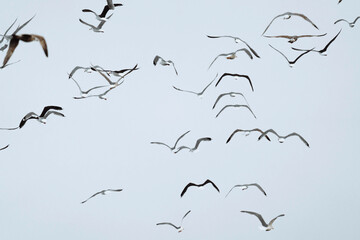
<point x="231" y="94"/>
<point x="236" y="76"/>
<point x="42" y="117"/>
<point x="232" y="55"/>
<point x="163" y="62"/>
<point x="291" y="63"/>
<point x="85" y="94"/>
<point x="102" y="192"/>
<point x="179" y="228"/>
<point x="93" y="28"/>
<point x="173" y="147"/>
<point x="102" y="16"/>
<point x="236" y="106"/>
<point x="246" y="186"/>
<point x="247" y="132"/>
<point x="199" y="94"/>
<point x="205" y="139"/>
<point x="351" y="24"/>
<point x="111" y="83"/>
<point x="281" y="139"/>
<point x="266" y="226"/>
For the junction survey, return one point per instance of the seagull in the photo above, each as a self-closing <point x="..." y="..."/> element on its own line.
<point x="291" y="63"/>
<point x="282" y="138"/>
<point x="116" y="83"/>
<point x="236" y="106"/>
<point x="205" y="139"/>
<point x="163" y="62"/>
<point x="294" y="38"/>
<point x="236" y="77"/>
<point x="246" y="186"/>
<point x="247" y="132"/>
<point x="322" y="51"/>
<point x="173" y="147"/>
<point x="4" y="147"/>
<point x="232" y="55"/>
<point x="102" y="16"/>
<point x="44" y="114"/>
<point x="117" y="73"/>
<point x="237" y="40"/>
<point x="25" y="38"/>
<point x="103" y="192"/>
<point x="266" y="226"/>
<point x="199" y="94"/>
<point x="288" y="15"/>
<point x="3" y="36"/>
<point x="92" y="27"/>
<point x="85" y="94"/>
<point x="198" y="185"/>
<point x="231" y="94"/>
<point x="351" y="24"/>
<point x="86" y="69"/>
<point x="179" y="228"/>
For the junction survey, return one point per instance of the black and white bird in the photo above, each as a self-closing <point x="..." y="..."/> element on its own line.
<point x="237" y="40"/>
<point x="102" y="16"/>
<point x="199" y="186"/>
<point x="197" y="144"/>
<point x="102" y="192"/>
<point x="265" y="226"/>
<point x="236" y="76"/>
<point x="3" y="148"/>
<point x="246" y="186"/>
<point x="113" y="84"/>
<point x="236" y="106"/>
<point x="163" y="62"/>
<point x="351" y="24"/>
<point x="231" y="94"/>
<point x="179" y="228"/>
<point x="247" y="133"/>
<point x="173" y="147"/>
<point x="291" y="63"/>
<point x="294" y="38"/>
<point x="232" y="55"/>
<point x="199" y="94"/>
<point x="42" y="117"/>
<point x="282" y="139"/>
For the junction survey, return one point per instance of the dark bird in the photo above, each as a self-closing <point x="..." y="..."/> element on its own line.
<point x="163" y="62"/>
<point x="291" y="63"/>
<point x="103" y="192"/>
<point x="179" y="228"/>
<point x="246" y="186"/>
<point x="281" y="139"/>
<point x="4" y="147"/>
<point x="247" y="132"/>
<point x="173" y="147"/>
<point x="237" y="40"/>
<point x="198" y="185"/>
<point x="322" y="51"/>
<point x="9" y="37"/>
<point x="231" y="94"/>
<point x="199" y="94"/>
<point x="205" y="139"/>
<point x="232" y="55"/>
<point x="266" y="226"/>
<point x="236" y="106"/>
<point x="294" y="38"/>
<point x="236" y="76"/>
<point x="351" y="24"/>
<point x="102" y="16"/>
<point x="44" y="114"/>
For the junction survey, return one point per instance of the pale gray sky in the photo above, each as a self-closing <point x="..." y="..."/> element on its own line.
<point x="49" y="169"/>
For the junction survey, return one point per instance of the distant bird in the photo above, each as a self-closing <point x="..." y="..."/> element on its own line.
<point x="44" y="114"/>
<point x="198" y="185"/>
<point x="236" y="76"/>
<point x="246" y="186"/>
<point x="117" y="73"/>
<point x="102" y="192"/>
<point x="199" y="94"/>
<point x="232" y="55"/>
<point x="281" y="139"/>
<point x="291" y="63"/>
<point x="25" y="38"/>
<point x="205" y="139"/>
<point x="294" y="38"/>
<point x="288" y="15"/>
<point x="322" y="51"/>
<point x="111" y="83"/>
<point x="86" y="69"/>
<point x="85" y="94"/>
<point x="7" y="30"/>
<point x="173" y="147"/>
<point x="93" y="28"/>
<point x="236" y="106"/>
<point x="231" y="94"/>
<point x="265" y="226"/>
<point x="237" y="40"/>
<point x="163" y="62"/>
<point x="247" y="132"/>
<point x="4" y="147"/>
<point x="179" y="228"/>
<point x="102" y="16"/>
<point x="351" y="24"/>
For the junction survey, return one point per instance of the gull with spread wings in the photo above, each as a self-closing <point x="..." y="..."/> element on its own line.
<point x="294" y="38"/>
<point x="199" y="186"/>
<point x="246" y="186"/>
<point x="232" y="55"/>
<point x="102" y="192"/>
<point x="282" y="139"/>
<point x="179" y="228"/>
<point x="173" y="147"/>
<point x="163" y="62"/>
<point x="351" y="24"/>
<point x="102" y="16"/>
<point x="265" y="226"/>
<point x="42" y="117"/>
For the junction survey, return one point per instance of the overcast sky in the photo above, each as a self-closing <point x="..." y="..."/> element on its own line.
<point x="49" y="169"/>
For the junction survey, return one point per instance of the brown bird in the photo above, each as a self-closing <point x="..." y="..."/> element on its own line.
<point x="294" y="38"/>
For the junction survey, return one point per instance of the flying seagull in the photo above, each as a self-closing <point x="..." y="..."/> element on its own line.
<point x="266" y="226"/>
<point x="86" y="69"/>
<point x="236" y="77"/>
<point x="282" y="138"/>
<point x="44" y="114"/>
<point x="351" y="24"/>
<point x="103" y="192"/>
<point x="294" y="38"/>
<point x="173" y="147"/>
<point x="288" y="15"/>
<point x="4" y="147"/>
<point x="247" y="132"/>
<point x="85" y="94"/>
<point x="205" y="139"/>
<point x="237" y="40"/>
<point x="179" y="228"/>
<point x="231" y="94"/>
<point x="291" y="63"/>
<point x="102" y="16"/>
<point x="322" y="51"/>
<point x="246" y="186"/>
<point x="161" y="61"/>
<point x="117" y="73"/>
<point x="232" y="55"/>
<point x="199" y="94"/>
<point x="198" y="185"/>
<point x="92" y="27"/>
<point x="236" y="106"/>
<point x="111" y="83"/>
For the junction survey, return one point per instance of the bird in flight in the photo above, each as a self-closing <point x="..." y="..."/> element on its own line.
<point x="351" y="24"/>
<point x="198" y="185"/>
<point x="236" y="106"/>
<point x="199" y="94"/>
<point x="97" y="29"/>
<point x="102" y="16"/>
<point x="246" y="186"/>
<point x="281" y="139"/>
<point x="294" y="38"/>
<point x="231" y="94"/>
<point x="163" y="62"/>
<point x="232" y="55"/>
<point x="265" y="226"/>
<point x="291" y="63"/>
<point x="111" y="83"/>
<point x="173" y="147"/>
<point x="247" y="132"/>
<point x="85" y="94"/>
<point x="236" y="76"/>
<point x="102" y="192"/>
<point x="205" y="139"/>
<point x="179" y="228"/>
<point x="42" y="117"/>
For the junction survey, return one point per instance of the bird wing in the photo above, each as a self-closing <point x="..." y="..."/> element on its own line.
<point x="356" y="19"/>
<point x="186" y="188"/>
<point x="246" y="51"/>
<point x="273" y="220"/>
<point x="258" y="216"/>
<point x="280" y="36"/>
<point x="75" y="69"/>
<point x="42" y="43"/>
<point x="199" y="141"/>
<point x="92" y="196"/>
<point x="167" y="223"/>
<point x="88" y="10"/>
<point x="296" y="134"/>
<point x="232" y="189"/>
<point x="213" y="184"/>
<point x="47" y="108"/>
<point x="113" y="190"/>
<point x="4" y="147"/>
<point x="327" y="45"/>
<point x="306" y="52"/>
<point x="20" y="27"/>
<point x="2" y="39"/>
<point x="181" y="90"/>
<point x="181" y="148"/>
<point x="104" y="76"/>
<point x="261" y="131"/>
<point x="77" y="84"/>
<point x="219" y="97"/>
<point x="207" y="86"/>
<point x="237" y="130"/>
<point x="306" y="18"/>
<point x="53" y="112"/>
<point x="101" y="24"/>
<point x="27" y="117"/>
<point x="223" y="54"/>
<point x="180" y="138"/>
<point x="160" y="143"/>
<point x="258" y="186"/>
<point x="4" y="47"/>
<point x="236" y="105"/>
<point x="156" y="59"/>
<point x="13" y="44"/>
<point x="266" y="132"/>
<point x="280" y="53"/>
<point x="83" y="22"/>
<point x="185" y="216"/>
<point x="172" y="63"/>
<point x="110" y="4"/>
<point x="319" y="35"/>
<point x="236" y="75"/>
<point x="104" y="11"/>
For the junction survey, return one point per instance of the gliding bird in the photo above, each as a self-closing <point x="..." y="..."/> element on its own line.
<point x="351" y="24"/>
<point x="265" y="226"/>
<point x="294" y="38"/>
<point x="232" y="55"/>
<point x="44" y="114"/>
<point x="198" y="185"/>
<point x="163" y="62"/>
<point x="246" y="186"/>
<point x="103" y="192"/>
<point x="93" y="28"/>
<point x="281" y="139"/>
<point x="179" y="228"/>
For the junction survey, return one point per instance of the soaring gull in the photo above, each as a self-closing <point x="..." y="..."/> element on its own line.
<point x="351" y="24"/>
<point x="247" y="132"/>
<point x="232" y="55"/>
<point x="42" y="117"/>
<point x="294" y="38"/>
<point x="93" y="28"/>
<point x="198" y="185"/>
<point x="246" y="186"/>
<point x="265" y="226"/>
<point x="163" y="62"/>
<point x="173" y="147"/>
<point x="102" y="192"/>
<point x="179" y="228"/>
<point x="281" y="139"/>
<point x="236" y="76"/>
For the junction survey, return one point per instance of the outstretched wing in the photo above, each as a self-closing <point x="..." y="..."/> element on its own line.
<point x="42" y="43"/>
<point x="206" y="139"/>
<point x="266" y="132"/>
<point x="8" y="146"/>
<point x="53" y="112"/>
<point x="258" y="216"/>
<point x="296" y="134"/>
<point x="47" y="108"/>
<point x="236" y="75"/>
<point x="213" y="184"/>
<point x="13" y="44"/>
<point x="167" y="223"/>
<point x="180" y="138"/>
<point x="83" y="22"/>
<point x="273" y="220"/>
<point x="160" y="143"/>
